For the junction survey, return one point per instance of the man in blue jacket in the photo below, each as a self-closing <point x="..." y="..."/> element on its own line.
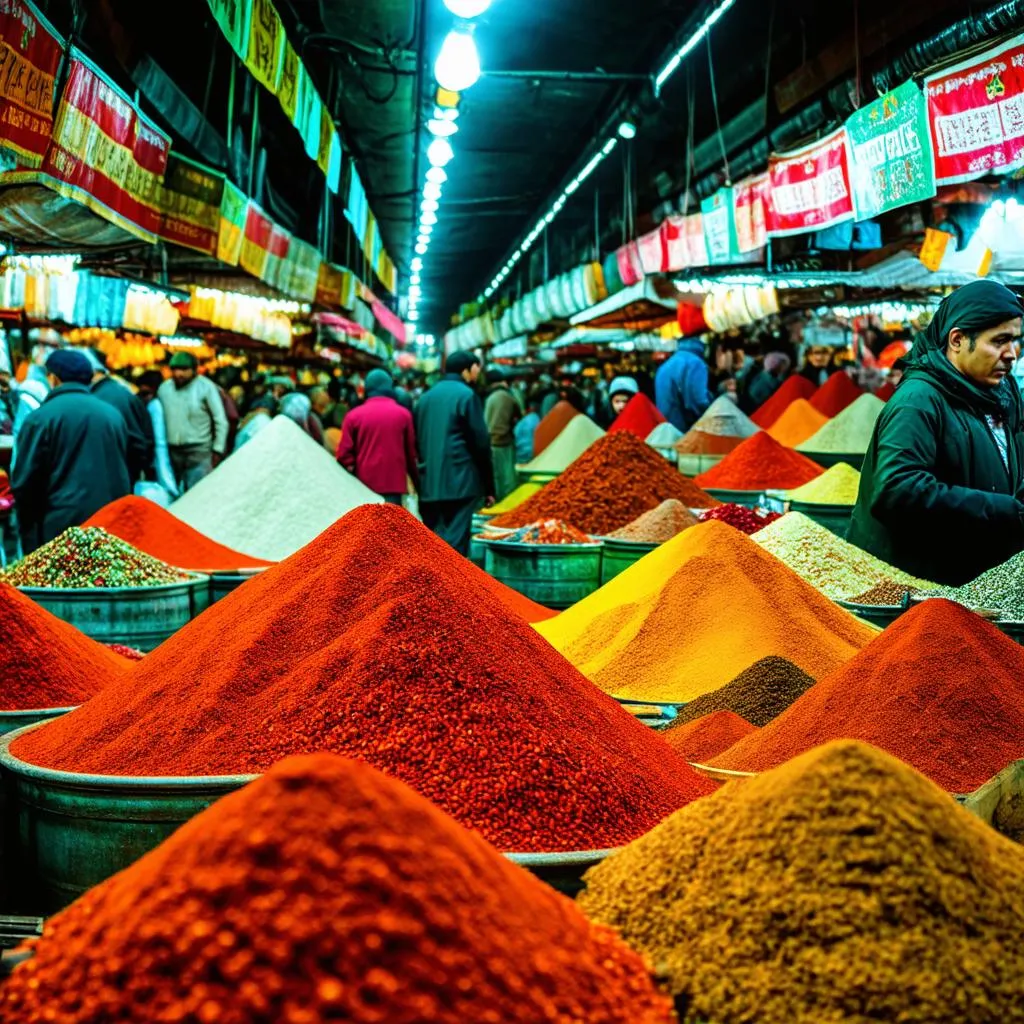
<point x="456" y="472"/>
<point x="681" y="385"/>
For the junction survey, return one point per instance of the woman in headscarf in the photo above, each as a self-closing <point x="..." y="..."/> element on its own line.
<point x="942" y="488"/>
<point x="299" y="408"/>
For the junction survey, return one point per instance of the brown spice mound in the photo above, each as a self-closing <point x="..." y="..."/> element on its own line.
<point x="842" y="886"/>
<point x="698" y="442"/>
<point x="888" y="592"/>
<point x="663" y="523"/>
<point x="615" y="480"/>
<point x="759" y="694"/>
<point x="706" y="737"/>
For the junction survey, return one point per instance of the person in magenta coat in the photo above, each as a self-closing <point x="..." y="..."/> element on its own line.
<point x="378" y="441"/>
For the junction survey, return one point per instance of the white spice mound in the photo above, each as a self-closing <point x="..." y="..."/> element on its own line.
<point x="274" y="495"/>
<point x="577" y="436"/>
<point x="725" y="419"/>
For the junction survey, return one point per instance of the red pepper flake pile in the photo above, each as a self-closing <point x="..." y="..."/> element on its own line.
<point x="836" y="394"/>
<point x="44" y="662"/>
<point x="379" y="642"/>
<point x="639" y="417"/>
<point x="618" y="478"/>
<point x="126" y="652"/>
<point x="746" y="520"/>
<point x="761" y="462"/>
<point x="706" y="737"/>
<point x="547" y="531"/>
<point x="792" y="389"/>
<point x="939" y="689"/>
<point x="85" y="558"/>
<point x="327" y="892"/>
<point x="152" y="529"/>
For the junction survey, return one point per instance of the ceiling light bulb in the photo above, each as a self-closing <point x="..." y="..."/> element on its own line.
<point x="414" y="279"/>
<point x="421" y="249"/>
<point x="423" y="239"/>
<point x="426" y="229"/>
<point x="627" y="130"/>
<point x="440" y="153"/>
<point x="415" y="291"/>
<point x="430" y="206"/>
<point x="458" y="63"/>
<point x="431" y="190"/>
<point x="413" y="316"/>
<point x="417" y="264"/>
<point x="441" y="128"/>
<point x="437" y="175"/>
<point x="429" y="218"/>
<point x="467" y="8"/>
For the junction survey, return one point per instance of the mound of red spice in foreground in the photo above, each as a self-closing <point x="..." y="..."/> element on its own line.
<point x="761" y="462"/>
<point x="941" y="688"/>
<point x="613" y="482"/>
<point x="152" y="529"/>
<point x="326" y="891"/>
<point x="705" y="737"/>
<point x="639" y="417"/>
<point x="44" y="662"/>
<point x="380" y="642"/>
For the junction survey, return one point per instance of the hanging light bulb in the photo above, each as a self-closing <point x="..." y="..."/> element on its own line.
<point x="423" y="239"/>
<point x="414" y="279"/>
<point x="425" y="229"/>
<point x="415" y="291"/>
<point x="467" y="8"/>
<point x="627" y="130"/>
<point x="458" y="63"/>
<point x="437" y="175"/>
<point x="431" y="190"/>
<point x="417" y="264"/>
<point x="441" y="128"/>
<point x="429" y="218"/>
<point x="421" y="249"/>
<point x="413" y="316"/>
<point x="440" y="153"/>
<point x="429" y="206"/>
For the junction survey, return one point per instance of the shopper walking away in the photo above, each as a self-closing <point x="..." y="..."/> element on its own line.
<point x="502" y="413"/>
<point x="524" y="431"/>
<point x="378" y="441"/>
<point x="681" y="385"/>
<point x="456" y="473"/>
<point x="141" y="443"/>
<point x="149" y="384"/>
<point x="197" y="428"/>
<point x="72" y="456"/>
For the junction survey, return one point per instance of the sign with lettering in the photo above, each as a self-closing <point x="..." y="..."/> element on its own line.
<point x="190" y="201"/>
<point x="719" y="222"/>
<point x="266" y="44"/>
<point x="810" y="188"/>
<point x="750" y="203"/>
<point x="233" y="17"/>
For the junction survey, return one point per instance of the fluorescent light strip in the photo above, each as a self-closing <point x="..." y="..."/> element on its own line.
<point x="680" y="55"/>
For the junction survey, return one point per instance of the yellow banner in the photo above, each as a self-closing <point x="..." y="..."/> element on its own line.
<point x="266" y="45"/>
<point x="288" y="90"/>
<point x="326" y="135"/>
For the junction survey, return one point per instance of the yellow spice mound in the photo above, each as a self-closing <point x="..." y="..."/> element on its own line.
<point x="522" y="493"/>
<point x="836" y="486"/>
<point x="695" y="613"/>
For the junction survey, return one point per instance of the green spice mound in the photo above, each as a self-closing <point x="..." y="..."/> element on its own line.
<point x="1000" y="589"/>
<point x="85" y="557"/>
<point x="842" y="886"/>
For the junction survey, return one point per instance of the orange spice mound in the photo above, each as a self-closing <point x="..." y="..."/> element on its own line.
<point x="759" y="463"/>
<point x="793" y="388"/>
<point x="327" y="892"/>
<point x="698" y="442"/>
<point x="799" y="422"/>
<point x="552" y="425"/>
<point x="614" y="481"/>
<point x="152" y="529"/>
<point x="705" y="737"/>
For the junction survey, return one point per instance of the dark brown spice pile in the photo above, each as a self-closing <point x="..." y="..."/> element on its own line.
<point x="759" y="694"/>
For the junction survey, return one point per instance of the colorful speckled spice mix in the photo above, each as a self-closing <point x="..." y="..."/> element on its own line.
<point x="746" y="520"/>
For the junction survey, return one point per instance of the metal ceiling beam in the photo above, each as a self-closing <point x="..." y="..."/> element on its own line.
<point x="597" y="76"/>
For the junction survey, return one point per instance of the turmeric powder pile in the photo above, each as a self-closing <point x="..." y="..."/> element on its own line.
<point x="840" y="887"/>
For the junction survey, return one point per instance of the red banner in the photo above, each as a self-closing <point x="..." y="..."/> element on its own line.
<point x="257" y="240"/>
<point x="684" y="242"/>
<point x="652" y="252"/>
<point x="105" y="154"/>
<point x="750" y="201"/>
<point x="976" y="115"/>
<point x="810" y="188"/>
<point x="30" y="52"/>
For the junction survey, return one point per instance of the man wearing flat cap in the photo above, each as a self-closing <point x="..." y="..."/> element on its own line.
<point x="72" y="456"/>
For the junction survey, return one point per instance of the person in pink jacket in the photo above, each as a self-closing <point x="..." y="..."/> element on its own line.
<point x="378" y="441"/>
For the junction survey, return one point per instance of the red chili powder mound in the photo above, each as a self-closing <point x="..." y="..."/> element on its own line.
<point x="835" y="395"/>
<point x="44" y="662"/>
<point x="613" y="482"/>
<point x="703" y="738"/>
<point x="791" y="389"/>
<point x="759" y="463"/>
<point x="152" y="529"/>
<point x="326" y="891"/>
<point x="698" y="442"/>
<point x="379" y="642"/>
<point x="639" y="417"/>
<point x="941" y="689"/>
<point x="552" y="425"/>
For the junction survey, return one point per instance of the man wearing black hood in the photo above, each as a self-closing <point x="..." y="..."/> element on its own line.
<point x="942" y="488"/>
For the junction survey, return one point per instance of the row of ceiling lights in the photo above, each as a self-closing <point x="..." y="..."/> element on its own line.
<point x="456" y="70"/>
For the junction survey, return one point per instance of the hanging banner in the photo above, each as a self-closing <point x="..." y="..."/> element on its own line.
<point x="30" y="53"/>
<point x="890" y="156"/>
<point x="330" y="285"/>
<point x="327" y="133"/>
<point x="233" y="17"/>
<point x="288" y="89"/>
<point x="308" y="116"/>
<point x="298" y="271"/>
<point x="266" y="44"/>
<point x="105" y="154"/>
<point x="259" y="229"/>
<point x="234" y="210"/>
<point x="810" y="188"/>
<point x="357" y="209"/>
<point x="750" y="201"/>
<point x="976" y="115"/>
<point x="190" y="205"/>
<point x="719" y="223"/>
<point x="652" y="252"/>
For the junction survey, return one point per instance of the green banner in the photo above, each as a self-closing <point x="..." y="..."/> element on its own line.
<point x="234" y="206"/>
<point x="891" y="159"/>
<point x="234" y="17"/>
<point x="719" y="217"/>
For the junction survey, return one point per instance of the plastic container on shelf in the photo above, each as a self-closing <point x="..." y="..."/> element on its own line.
<point x="619" y="555"/>
<point x="553" y="575"/>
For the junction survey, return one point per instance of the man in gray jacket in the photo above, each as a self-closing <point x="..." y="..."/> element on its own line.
<point x="197" y="426"/>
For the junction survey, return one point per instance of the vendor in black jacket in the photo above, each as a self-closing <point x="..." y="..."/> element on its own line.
<point x="943" y="480"/>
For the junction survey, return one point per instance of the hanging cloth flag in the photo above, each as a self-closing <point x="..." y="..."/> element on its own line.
<point x="719" y="222"/>
<point x="266" y="44"/>
<point x="288" y="90"/>
<point x="233" y="17"/>
<point x="750" y="199"/>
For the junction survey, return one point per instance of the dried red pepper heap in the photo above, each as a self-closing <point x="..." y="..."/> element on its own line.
<point x="639" y="417"/>
<point x="792" y="389"/>
<point x="326" y="891"/>
<point x="44" y="662"/>
<point x="836" y="394"/>
<point x="152" y="529"/>
<point x="747" y="520"/>
<point x="941" y="689"/>
<point x="379" y="642"/>
<point x="759" y="463"/>
<point x="614" y="481"/>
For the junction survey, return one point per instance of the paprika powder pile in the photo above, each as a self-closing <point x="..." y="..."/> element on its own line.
<point x="835" y="395"/>
<point x="326" y="891"/>
<point x="44" y="662"/>
<point x="379" y="642"/>
<point x="640" y="417"/>
<point x="941" y="689"/>
<point x="561" y="415"/>
<point x="840" y="887"/>
<point x="758" y="464"/>
<point x="694" y="613"/>
<point x="703" y="738"/>
<point x="152" y="529"/>
<point x="791" y="390"/>
<point x="615" y="480"/>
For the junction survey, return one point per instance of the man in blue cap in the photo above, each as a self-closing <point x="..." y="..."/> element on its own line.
<point x="72" y="456"/>
<point x="942" y="487"/>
